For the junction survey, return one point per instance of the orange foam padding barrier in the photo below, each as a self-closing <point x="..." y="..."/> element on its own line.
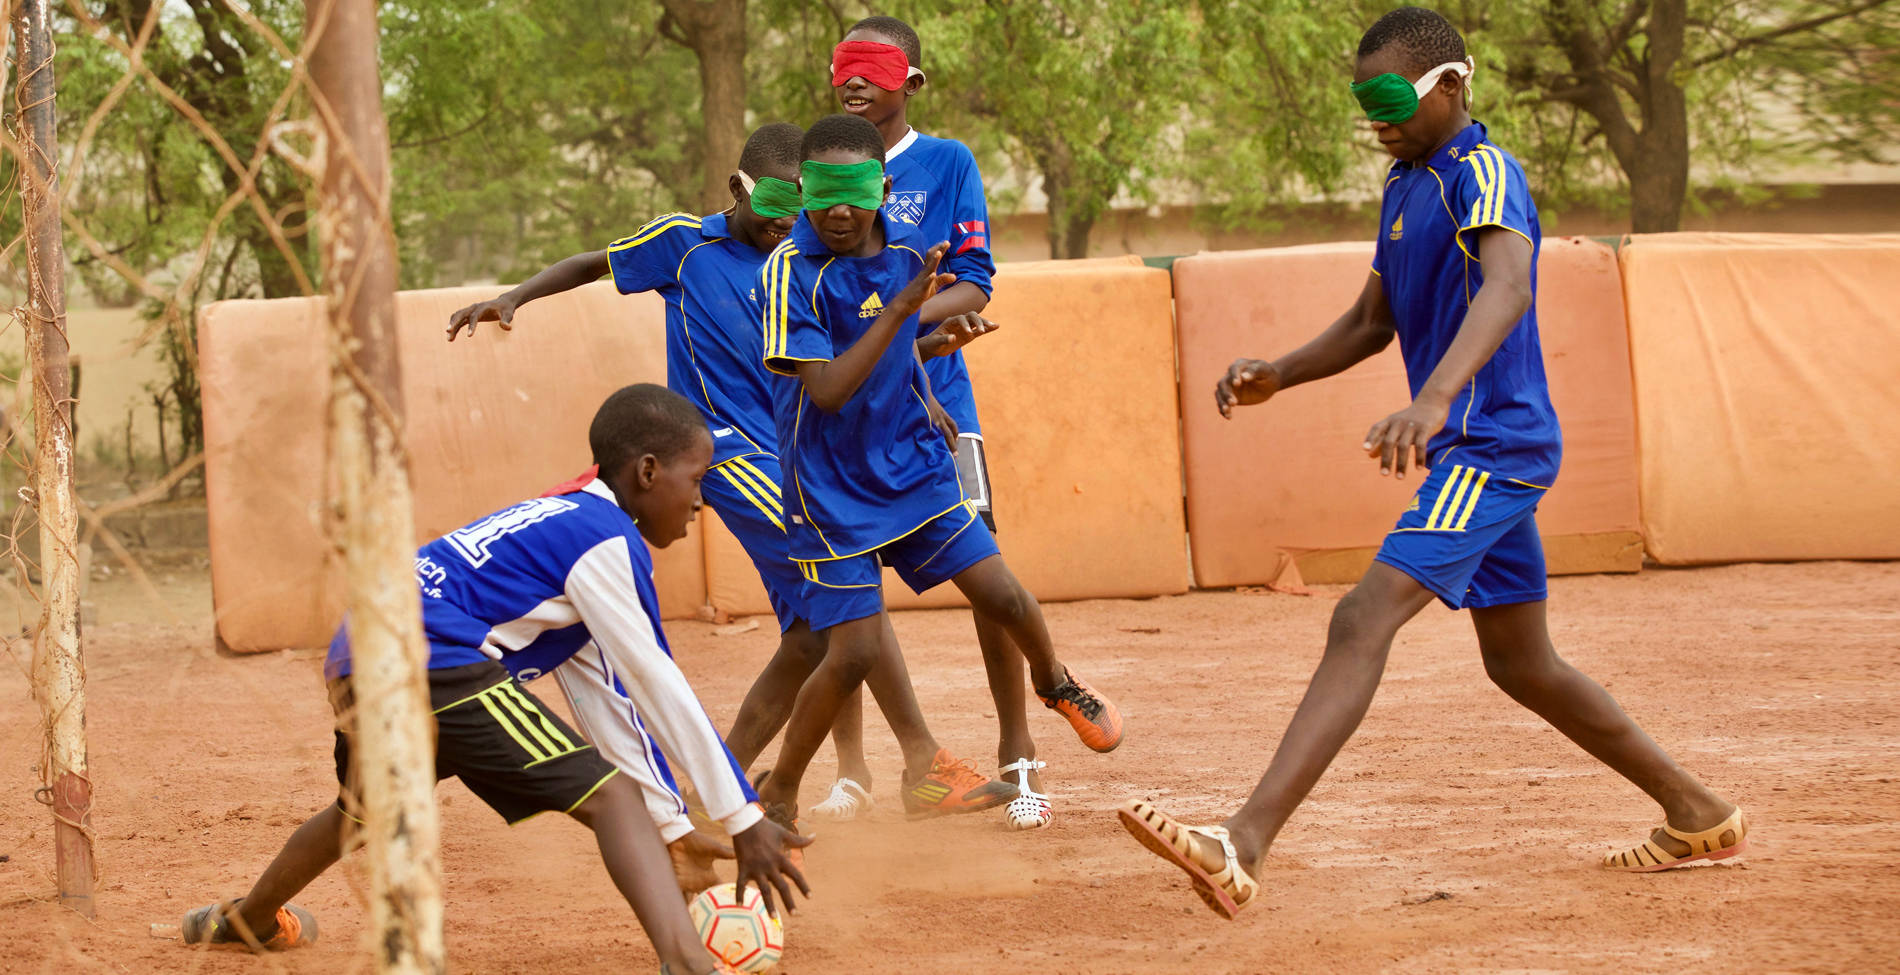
<point x="1287" y="481"/>
<point x="1766" y="365"/>
<point x="1076" y="393"/>
<point x="490" y="420"/>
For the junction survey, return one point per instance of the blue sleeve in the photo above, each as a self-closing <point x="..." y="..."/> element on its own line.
<point x="788" y="312"/>
<point x="1491" y="192"/>
<point x="649" y="258"/>
<point x="969" y="256"/>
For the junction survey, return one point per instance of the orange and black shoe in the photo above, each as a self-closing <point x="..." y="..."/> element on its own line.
<point x="1094" y="717"/>
<point x="952" y="785"/>
<point x="786" y="816"/>
<point x="217" y="924"/>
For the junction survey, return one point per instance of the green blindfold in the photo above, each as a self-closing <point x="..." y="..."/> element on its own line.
<point x="826" y="185"/>
<point x="1391" y="99"/>
<point x="772" y="198"/>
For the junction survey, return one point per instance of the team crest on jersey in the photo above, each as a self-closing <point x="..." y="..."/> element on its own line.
<point x="1398" y="229"/>
<point x="872" y="306"/>
<point x="907" y="206"/>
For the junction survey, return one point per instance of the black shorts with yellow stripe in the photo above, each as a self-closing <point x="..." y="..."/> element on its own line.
<point x="492" y="734"/>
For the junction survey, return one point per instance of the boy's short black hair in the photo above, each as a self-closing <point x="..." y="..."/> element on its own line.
<point x="643" y="419"/>
<point x="774" y="146"/>
<point x="896" y="30"/>
<point x="843" y="132"/>
<point x="1428" y="38"/>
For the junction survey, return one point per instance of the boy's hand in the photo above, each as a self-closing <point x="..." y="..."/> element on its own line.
<point x="693" y="856"/>
<point x="501" y="310"/>
<point x="1248" y="381"/>
<point x="763" y="863"/>
<point x="940" y="418"/>
<point x="923" y="287"/>
<point x="1406" y="434"/>
<point x="954" y="333"/>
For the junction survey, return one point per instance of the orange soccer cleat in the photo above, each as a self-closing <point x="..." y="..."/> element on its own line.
<point x="951" y="786"/>
<point x="1094" y="717"/>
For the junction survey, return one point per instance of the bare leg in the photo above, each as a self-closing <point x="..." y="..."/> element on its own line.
<point x="315" y="847"/>
<point x="769" y="703"/>
<point x="852" y="650"/>
<point x="1357" y="643"/>
<point x="1003" y="602"/>
<point x="847" y="736"/>
<point x="1520" y="659"/>
<point x="1003" y="664"/>
<point x="637" y="861"/>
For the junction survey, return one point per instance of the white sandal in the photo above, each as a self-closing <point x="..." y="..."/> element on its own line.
<point x="848" y="800"/>
<point x="1030" y="809"/>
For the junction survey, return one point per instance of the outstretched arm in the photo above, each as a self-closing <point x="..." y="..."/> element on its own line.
<point x="1362" y="332"/>
<point x="1494" y="311"/>
<point x="565" y="274"/>
<point x="832" y="382"/>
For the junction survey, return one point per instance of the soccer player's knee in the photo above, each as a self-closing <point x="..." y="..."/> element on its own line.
<point x="1009" y="606"/>
<point x="854" y="660"/>
<point x="1515" y="672"/>
<point x="1355" y="615"/>
<point x="615" y="794"/>
<point x="804" y="647"/>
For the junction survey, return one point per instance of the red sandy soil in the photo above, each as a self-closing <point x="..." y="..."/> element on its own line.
<point x="1773" y="682"/>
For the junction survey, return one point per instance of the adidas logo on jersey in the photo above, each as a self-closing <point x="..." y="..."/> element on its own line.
<point x="872" y="306"/>
<point x="1398" y="228"/>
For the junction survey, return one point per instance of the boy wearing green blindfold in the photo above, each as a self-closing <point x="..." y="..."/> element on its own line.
<point x="1454" y="281"/>
<point x="868" y="455"/>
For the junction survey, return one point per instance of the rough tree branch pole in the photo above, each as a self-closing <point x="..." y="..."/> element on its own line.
<point x="59" y="674"/>
<point x="394" y="738"/>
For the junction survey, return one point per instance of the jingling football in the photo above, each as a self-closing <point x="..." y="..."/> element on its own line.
<point x="738" y="930"/>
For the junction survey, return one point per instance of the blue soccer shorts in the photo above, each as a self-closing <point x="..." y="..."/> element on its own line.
<point x="841" y="590"/>
<point x="1470" y="536"/>
<point x="745" y="492"/>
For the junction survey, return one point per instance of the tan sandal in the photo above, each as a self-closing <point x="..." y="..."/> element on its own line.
<point x="1706" y="845"/>
<point x="1225" y="891"/>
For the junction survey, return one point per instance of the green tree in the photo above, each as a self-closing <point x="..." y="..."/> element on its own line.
<point x="1652" y="86"/>
<point x="1088" y="93"/>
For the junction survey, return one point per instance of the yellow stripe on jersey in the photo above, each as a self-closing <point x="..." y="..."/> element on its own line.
<point x="739" y="484"/>
<point x="1488" y="165"/>
<point x="777" y="277"/>
<point x="1443" y="490"/>
<point x="655" y="228"/>
<point x="1472" y="505"/>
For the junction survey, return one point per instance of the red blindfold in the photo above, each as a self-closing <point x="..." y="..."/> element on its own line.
<point x="883" y="65"/>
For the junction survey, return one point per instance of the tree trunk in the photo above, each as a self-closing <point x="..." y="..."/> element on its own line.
<point x="59" y="671"/>
<point x="1659" y="174"/>
<point x="1070" y="220"/>
<point x="714" y="30"/>
<point x="393" y="745"/>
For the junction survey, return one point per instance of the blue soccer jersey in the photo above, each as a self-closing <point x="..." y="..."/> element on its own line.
<point x="1427" y="257"/>
<point x="536" y="583"/>
<point x="877" y="469"/>
<point x="935" y="185"/>
<point x="712" y="346"/>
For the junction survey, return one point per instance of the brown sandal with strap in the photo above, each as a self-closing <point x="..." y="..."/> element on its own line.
<point x="1707" y="845"/>
<point x="1225" y="891"/>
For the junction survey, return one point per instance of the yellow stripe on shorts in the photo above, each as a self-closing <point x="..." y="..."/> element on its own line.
<point x="1472" y="505"/>
<point x="740" y="484"/>
<point x="508" y="704"/>
<point x="1457" y="496"/>
<point x="762" y="478"/>
<point x="547" y="725"/>
<point x="495" y="711"/>
<point x="760" y="483"/>
<point x="1443" y="490"/>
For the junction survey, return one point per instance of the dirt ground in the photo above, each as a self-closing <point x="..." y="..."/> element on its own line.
<point x="1772" y="681"/>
